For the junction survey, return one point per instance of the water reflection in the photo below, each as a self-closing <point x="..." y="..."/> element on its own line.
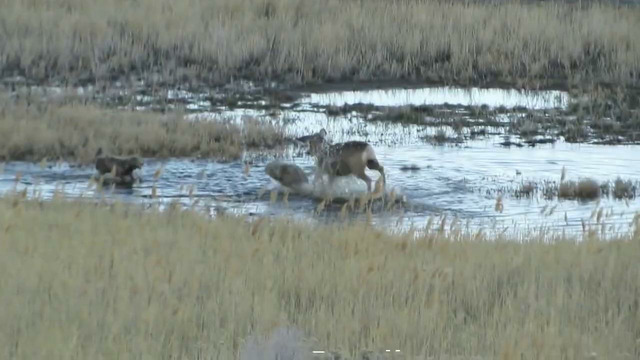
<point x="508" y="98"/>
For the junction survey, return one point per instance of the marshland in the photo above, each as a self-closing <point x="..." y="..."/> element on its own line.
<point x="509" y="133"/>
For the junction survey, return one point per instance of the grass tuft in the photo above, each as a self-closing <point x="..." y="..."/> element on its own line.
<point x="624" y="189"/>
<point x="74" y="132"/>
<point x="583" y="189"/>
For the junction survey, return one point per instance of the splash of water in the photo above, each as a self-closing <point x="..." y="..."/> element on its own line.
<point x="343" y="188"/>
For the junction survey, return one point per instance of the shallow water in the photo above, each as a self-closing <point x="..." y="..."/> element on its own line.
<point x="453" y="181"/>
<point x="457" y="181"/>
<point x="508" y="98"/>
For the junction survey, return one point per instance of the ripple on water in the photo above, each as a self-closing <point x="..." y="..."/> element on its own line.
<point x="457" y="182"/>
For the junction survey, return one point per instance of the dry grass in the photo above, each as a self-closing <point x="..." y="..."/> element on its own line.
<point x="440" y="137"/>
<point x="92" y="281"/>
<point x="583" y="189"/>
<point x="624" y="189"/>
<point x="298" y="40"/>
<point x="526" y="190"/>
<point x="74" y="132"/>
<point x="574" y="132"/>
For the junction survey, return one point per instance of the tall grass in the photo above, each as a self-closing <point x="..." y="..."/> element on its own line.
<point x="74" y="132"/>
<point x="298" y="40"/>
<point x="95" y="281"/>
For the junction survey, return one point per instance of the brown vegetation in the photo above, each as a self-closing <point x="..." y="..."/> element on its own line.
<point x="624" y="189"/>
<point x="298" y="40"/>
<point x="584" y="189"/>
<point x="79" y="285"/>
<point x="75" y="132"/>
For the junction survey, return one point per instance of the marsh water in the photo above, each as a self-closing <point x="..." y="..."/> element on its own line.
<point x="460" y="179"/>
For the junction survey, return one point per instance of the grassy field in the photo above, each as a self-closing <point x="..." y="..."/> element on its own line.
<point x="89" y="280"/>
<point x="109" y="281"/>
<point x="297" y="40"/>
<point x="74" y="132"/>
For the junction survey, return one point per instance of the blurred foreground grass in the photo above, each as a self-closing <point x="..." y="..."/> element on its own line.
<point x="90" y="281"/>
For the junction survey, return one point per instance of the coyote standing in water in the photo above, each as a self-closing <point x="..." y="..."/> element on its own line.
<point x="348" y="158"/>
<point x="124" y="166"/>
<point x="117" y="170"/>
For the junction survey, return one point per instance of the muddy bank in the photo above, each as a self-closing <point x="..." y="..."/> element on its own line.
<point x="599" y="116"/>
